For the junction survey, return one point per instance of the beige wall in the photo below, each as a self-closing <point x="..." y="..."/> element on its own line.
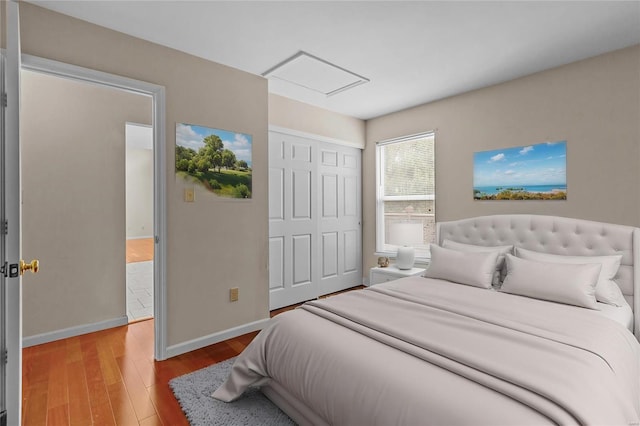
<point x="139" y="188"/>
<point x="593" y="104"/>
<point x="73" y="181"/>
<point x="212" y="245"/>
<point x="294" y="115"/>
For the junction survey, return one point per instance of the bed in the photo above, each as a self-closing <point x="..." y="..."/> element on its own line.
<point x="491" y="335"/>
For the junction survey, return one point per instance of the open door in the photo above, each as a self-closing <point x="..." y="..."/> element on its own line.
<point x="10" y="229"/>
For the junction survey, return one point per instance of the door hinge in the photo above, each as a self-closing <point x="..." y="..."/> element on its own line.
<point x="4" y="100"/>
<point x="3" y="269"/>
<point x="5" y="356"/>
<point x="4" y="227"/>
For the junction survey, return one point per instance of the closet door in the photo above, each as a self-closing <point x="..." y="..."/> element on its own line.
<point x="340" y="235"/>
<point x="315" y="239"/>
<point x="293" y="223"/>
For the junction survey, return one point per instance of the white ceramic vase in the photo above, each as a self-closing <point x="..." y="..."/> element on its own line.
<point x="405" y="257"/>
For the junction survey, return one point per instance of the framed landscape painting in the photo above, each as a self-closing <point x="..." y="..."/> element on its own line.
<point x="533" y="172"/>
<point x="220" y="160"/>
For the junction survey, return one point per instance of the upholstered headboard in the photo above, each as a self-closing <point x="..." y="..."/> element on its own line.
<point x="557" y="235"/>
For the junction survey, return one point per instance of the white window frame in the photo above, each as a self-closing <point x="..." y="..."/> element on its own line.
<point x="389" y="250"/>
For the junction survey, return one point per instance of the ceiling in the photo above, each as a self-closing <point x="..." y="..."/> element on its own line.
<point x="411" y="52"/>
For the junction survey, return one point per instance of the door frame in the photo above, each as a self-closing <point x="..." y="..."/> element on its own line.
<point x="157" y="94"/>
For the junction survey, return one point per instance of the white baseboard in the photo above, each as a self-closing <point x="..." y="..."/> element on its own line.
<point x="78" y="330"/>
<point x="211" y="339"/>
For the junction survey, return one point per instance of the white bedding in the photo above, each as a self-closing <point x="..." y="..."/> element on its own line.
<point x="425" y="351"/>
<point x="623" y="315"/>
<point x="620" y="314"/>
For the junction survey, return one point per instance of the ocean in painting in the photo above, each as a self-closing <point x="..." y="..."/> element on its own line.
<point x="532" y="172"/>
<point x="492" y="190"/>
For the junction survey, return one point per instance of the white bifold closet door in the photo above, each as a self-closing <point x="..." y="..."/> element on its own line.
<point x="315" y="239"/>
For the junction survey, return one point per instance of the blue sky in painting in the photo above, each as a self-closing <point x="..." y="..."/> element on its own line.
<point x="539" y="164"/>
<point x="191" y="136"/>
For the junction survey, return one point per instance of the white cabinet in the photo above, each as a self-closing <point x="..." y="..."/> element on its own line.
<point x="382" y="275"/>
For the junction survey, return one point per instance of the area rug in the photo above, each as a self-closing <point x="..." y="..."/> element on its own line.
<point x="193" y="392"/>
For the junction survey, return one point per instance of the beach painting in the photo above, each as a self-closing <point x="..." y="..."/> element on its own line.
<point x="532" y="172"/>
<point x="219" y="160"/>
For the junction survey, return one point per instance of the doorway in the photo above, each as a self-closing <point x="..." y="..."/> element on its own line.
<point x="139" y="221"/>
<point x="73" y="142"/>
<point x="156" y="95"/>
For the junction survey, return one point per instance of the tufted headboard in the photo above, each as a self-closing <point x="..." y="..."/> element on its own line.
<point x="557" y="235"/>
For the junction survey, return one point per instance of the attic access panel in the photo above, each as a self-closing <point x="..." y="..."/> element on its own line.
<point x="313" y="73"/>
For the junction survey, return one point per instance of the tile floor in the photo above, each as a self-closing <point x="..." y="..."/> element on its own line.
<point x="139" y="290"/>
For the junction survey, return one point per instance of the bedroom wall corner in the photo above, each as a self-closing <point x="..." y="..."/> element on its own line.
<point x="594" y="104"/>
<point x="212" y="244"/>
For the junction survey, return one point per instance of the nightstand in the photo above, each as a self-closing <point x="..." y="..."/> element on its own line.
<point x="379" y="275"/>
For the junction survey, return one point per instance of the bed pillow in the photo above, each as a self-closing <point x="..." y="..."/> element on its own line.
<point x="607" y="291"/>
<point x="500" y="271"/>
<point x="471" y="268"/>
<point x="571" y="284"/>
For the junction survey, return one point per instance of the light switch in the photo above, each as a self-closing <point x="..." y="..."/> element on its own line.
<point x="189" y="195"/>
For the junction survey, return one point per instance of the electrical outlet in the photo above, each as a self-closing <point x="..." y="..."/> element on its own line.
<point x="189" y="195"/>
<point x="233" y="294"/>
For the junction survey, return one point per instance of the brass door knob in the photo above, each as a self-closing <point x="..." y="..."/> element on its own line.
<point x="34" y="266"/>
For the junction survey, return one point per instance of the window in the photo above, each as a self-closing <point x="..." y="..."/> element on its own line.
<point x="406" y="194"/>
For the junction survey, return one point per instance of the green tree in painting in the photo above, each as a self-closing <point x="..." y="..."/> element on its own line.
<point x="182" y="164"/>
<point x="212" y="144"/>
<point x="184" y="158"/>
<point x="186" y="153"/>
<point x="228" y="159"/>
<point x="203" y="164"/>
<point x="211" y="152"/>
<point x="216" y="160"/>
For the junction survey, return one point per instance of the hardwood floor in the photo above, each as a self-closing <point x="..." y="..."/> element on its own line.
<point x="110" y="378"/>
<point x="139" y="250"/>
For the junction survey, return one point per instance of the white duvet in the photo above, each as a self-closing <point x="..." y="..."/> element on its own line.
<point x="418" y="351"/>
